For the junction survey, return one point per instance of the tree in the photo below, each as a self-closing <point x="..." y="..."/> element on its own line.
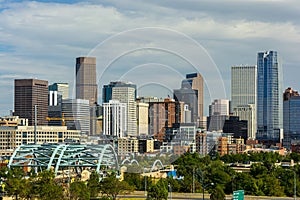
<point x="158" y="191"/>
<point x="112" y="187"/>
<point x="47" y="188"/>
<point x="272" y="186"/>
<point x="135" y="180"/>
<point x="93" y="184"/>
<point x="258" y="170"/>
<point x="79" y="191"/>
<point x="217" y="194"/>
<point x="15" y="182"/>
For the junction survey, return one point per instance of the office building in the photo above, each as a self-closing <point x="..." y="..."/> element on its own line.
<point x="146" y="145"/>
<point x="201" y="143"/>
<point x="291" y="117"/>
<point x="238" y="127"/>
<point x="56" y="93"/>
<point x="28" y="94"/>
<point x="243" y="95"/>
<point x="57" y="89"/>
<point x="14" y="136"/>
<point x="218" y="113"/>
<point x="162" y="115"/>
<point x="243" y="85"/>
<point x="115" y="119"/>
<point x="125" y="93"/>
<point x="86" y="79"/>
<point x="191" y="93"/>
<point x="229" y="145"/>
<point x="86" y="86"/>
<point x="142" y="118"/>
<point x="77" y="115"/>
<point x="269" y="98"/>
<point x="248" y="113"/>
<point x="13" y="121"/>
<point x="128" y="146"/>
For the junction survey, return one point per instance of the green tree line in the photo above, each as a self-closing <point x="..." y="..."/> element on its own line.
<point x="265" y="178"/>
<point x="215" y="175"/>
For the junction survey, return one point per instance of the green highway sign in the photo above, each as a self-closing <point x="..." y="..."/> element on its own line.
<point x="238" y="195"/>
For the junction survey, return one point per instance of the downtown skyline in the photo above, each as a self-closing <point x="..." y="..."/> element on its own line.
<point x="41" y="39"/>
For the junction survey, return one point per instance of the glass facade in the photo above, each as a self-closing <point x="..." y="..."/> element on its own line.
<point x="269" y="97"/>
<point x="243" y="95"/>
<point x="291" y="121"/>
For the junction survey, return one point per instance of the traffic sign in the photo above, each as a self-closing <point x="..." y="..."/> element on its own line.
<point x="238" y="195"/>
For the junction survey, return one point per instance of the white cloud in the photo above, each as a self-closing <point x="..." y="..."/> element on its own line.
<point x="44" y="38"/>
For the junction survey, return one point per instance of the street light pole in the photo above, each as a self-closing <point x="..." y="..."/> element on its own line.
<point x="170" y="189"/>
<point x="145" y="181"/>
<point x="203" y="188"/>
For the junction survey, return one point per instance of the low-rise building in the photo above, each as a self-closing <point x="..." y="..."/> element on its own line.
<point x="13" y="136"/>
<point x="127" y="145"/>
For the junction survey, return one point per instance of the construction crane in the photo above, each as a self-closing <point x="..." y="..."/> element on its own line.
<point x="62" y="119"/>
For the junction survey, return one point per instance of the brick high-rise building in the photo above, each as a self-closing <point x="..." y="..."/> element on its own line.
<point x="28" y="93"/>
<point x="162" y="115"/>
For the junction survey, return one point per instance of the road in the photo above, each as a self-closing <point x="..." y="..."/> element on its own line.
<point x="198" y="196"/>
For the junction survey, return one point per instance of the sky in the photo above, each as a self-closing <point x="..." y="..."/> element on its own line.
<point x="150" y="43"/>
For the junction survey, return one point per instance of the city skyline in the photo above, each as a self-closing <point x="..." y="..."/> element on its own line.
<point x="41" y="39"/>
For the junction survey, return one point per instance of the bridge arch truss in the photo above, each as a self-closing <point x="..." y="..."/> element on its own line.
<point x="59" y="157"/>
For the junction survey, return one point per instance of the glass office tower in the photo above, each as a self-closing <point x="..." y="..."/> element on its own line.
<point x="269" y="98"/>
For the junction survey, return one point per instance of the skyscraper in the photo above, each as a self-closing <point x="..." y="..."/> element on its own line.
<point x="142" y="117"/>
<point x="191" y="92"/>
<point x="291" y="116"/>
<point x="114" y="118"/>
<point x="269" y="98"/>
<point x="57" y="92"/>
<point x="58" y="89"/>
<point x="243" y="95"/>
<point x="218" y="113"/>
<point x="76" y="112"/>
<point x="86" y="85"/>
<point x="28" y="93"/>
<point x="125" y="93"/>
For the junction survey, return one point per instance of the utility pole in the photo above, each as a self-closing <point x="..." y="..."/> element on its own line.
<point x="295" y="185"/>
<point x="145" y="180"/>
<point x="35" y="123"/>
<point x="193" y="180"/>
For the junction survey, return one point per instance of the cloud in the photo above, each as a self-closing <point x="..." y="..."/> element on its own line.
<point x="42" y="40"/>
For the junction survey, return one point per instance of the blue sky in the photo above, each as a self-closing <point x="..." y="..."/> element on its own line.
<point x="41" y="39"/>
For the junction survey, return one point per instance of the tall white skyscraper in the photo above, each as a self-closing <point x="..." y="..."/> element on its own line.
<point x="114" y="118"/>
<point x="269" y="98"/>
<point x="125" y="93"/>
<point x="142" y="118"/>
<point x="243" y="95"/>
